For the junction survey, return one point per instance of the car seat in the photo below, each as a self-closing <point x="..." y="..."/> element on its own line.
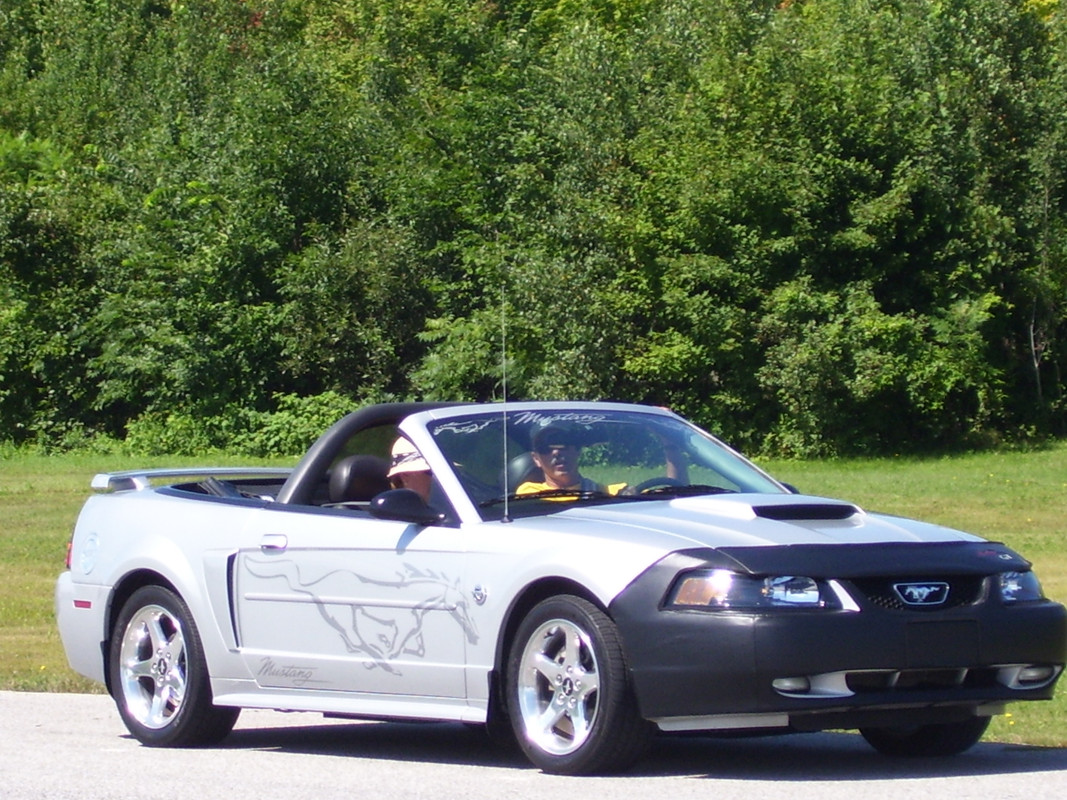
<point x="522" y="469"/>
<point x="357" y="479"/>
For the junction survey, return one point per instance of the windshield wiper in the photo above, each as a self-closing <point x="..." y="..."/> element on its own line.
<point x="656" y="493"/>
<point x="689" y="490"/>
<point x="551" y="494"/>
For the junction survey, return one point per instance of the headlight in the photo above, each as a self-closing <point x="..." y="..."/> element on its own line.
<point x="1020" y="587"/>
<point x="720" y="588"/>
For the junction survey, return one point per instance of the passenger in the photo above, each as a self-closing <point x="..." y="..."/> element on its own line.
<point x="409" y="470"/>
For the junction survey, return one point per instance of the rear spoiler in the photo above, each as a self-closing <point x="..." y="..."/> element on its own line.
<point x="135" y="479"/>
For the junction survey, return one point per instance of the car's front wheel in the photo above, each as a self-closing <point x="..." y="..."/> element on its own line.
<point x="569" y="696"/>
<point x="158" y="674"/>
<point x="941" y="739"/>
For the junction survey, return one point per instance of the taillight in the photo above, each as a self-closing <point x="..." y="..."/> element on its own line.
<point x="70" y="548"/>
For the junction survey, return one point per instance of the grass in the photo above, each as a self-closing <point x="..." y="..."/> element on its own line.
<point x="1019" y="498"/>
<point x="39" y="502"/>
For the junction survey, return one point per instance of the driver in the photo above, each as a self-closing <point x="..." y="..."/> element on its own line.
<point x="557" y="449"/>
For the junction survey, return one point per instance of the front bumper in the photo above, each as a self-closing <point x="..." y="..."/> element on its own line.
<point x="815" y="669"/>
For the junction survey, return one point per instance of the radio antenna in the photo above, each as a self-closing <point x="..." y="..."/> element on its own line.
<point x="504" y="390"/>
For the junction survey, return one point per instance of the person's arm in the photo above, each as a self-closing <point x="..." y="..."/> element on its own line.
<point x="677" y="462"/>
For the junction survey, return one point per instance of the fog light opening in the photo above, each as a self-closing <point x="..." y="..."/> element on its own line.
<point x="792" y="685"/>
<point x="1035" y="674"/>
<point x="1028" y="676"/>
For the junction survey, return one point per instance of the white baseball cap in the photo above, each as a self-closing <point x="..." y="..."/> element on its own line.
<point x="406" y="458"/>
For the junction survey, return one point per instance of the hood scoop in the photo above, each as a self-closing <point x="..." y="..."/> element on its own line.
<point x="797" y="512"/>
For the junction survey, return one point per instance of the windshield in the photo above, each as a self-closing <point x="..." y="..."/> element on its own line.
<point x="549" y="459"/>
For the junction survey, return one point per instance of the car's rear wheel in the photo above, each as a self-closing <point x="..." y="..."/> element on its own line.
<point x="158" y="674"/>
<point x="942" y="739"/>
<point x="569" y="697"/>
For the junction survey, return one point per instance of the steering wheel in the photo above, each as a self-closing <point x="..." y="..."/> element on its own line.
<point x="652" y="483"/>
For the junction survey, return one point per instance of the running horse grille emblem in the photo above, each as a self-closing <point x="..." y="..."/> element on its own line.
<point x="925" y="593"/>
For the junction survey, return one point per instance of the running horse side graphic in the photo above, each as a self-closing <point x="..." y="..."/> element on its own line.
<point x="383" y="631"/>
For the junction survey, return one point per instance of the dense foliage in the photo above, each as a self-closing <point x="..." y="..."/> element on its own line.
<point x="816" y="226"/>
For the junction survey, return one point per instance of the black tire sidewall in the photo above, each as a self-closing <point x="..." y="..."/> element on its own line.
<point x="936" y="740"/>
<point x="617" y="735"/>
<point x="190" y="724"/>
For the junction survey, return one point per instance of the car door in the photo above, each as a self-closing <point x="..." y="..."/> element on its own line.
<point x="337" y="600"/>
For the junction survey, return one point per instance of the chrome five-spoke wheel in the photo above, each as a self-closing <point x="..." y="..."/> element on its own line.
<point x="569" y="697"/>
<point x="153" y="666"/>
<point x="558" y="687"/>
<point x="158" y="674"/>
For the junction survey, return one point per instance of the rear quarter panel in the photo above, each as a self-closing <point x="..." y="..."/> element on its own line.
<point x="185" y="541"/>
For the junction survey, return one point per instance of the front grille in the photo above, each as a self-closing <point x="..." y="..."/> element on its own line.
<point x="963" y="590"/>
<point x="868" y="682"/>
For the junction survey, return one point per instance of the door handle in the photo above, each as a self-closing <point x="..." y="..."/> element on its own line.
<point x="274" y="541"/>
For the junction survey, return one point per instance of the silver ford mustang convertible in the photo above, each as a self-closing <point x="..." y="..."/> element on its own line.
<point x="578" y="577"/>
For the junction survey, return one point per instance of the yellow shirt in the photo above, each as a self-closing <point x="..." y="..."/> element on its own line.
<point x="586" y="485"/>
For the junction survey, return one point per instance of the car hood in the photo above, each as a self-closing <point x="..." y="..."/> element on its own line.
<point x="748" y="520"/>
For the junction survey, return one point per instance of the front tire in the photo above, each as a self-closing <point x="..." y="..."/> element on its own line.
<point x="569" y="697"/>
<point x="942" y="739"/>
<point x="159" y="676"/>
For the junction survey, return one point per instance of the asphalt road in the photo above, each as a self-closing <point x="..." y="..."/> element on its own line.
<point x="74" y="746"/>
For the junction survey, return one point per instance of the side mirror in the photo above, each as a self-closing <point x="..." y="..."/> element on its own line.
<point x="404" y="505"/>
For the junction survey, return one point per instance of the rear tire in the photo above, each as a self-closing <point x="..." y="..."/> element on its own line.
<point x="943" y="739"/>
<point x="158" y="674"/>
<point x="568" y="693"/>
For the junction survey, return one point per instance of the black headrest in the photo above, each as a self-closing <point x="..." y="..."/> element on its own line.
<point x="522" y="469"/>
<point x="358" y="478"/>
